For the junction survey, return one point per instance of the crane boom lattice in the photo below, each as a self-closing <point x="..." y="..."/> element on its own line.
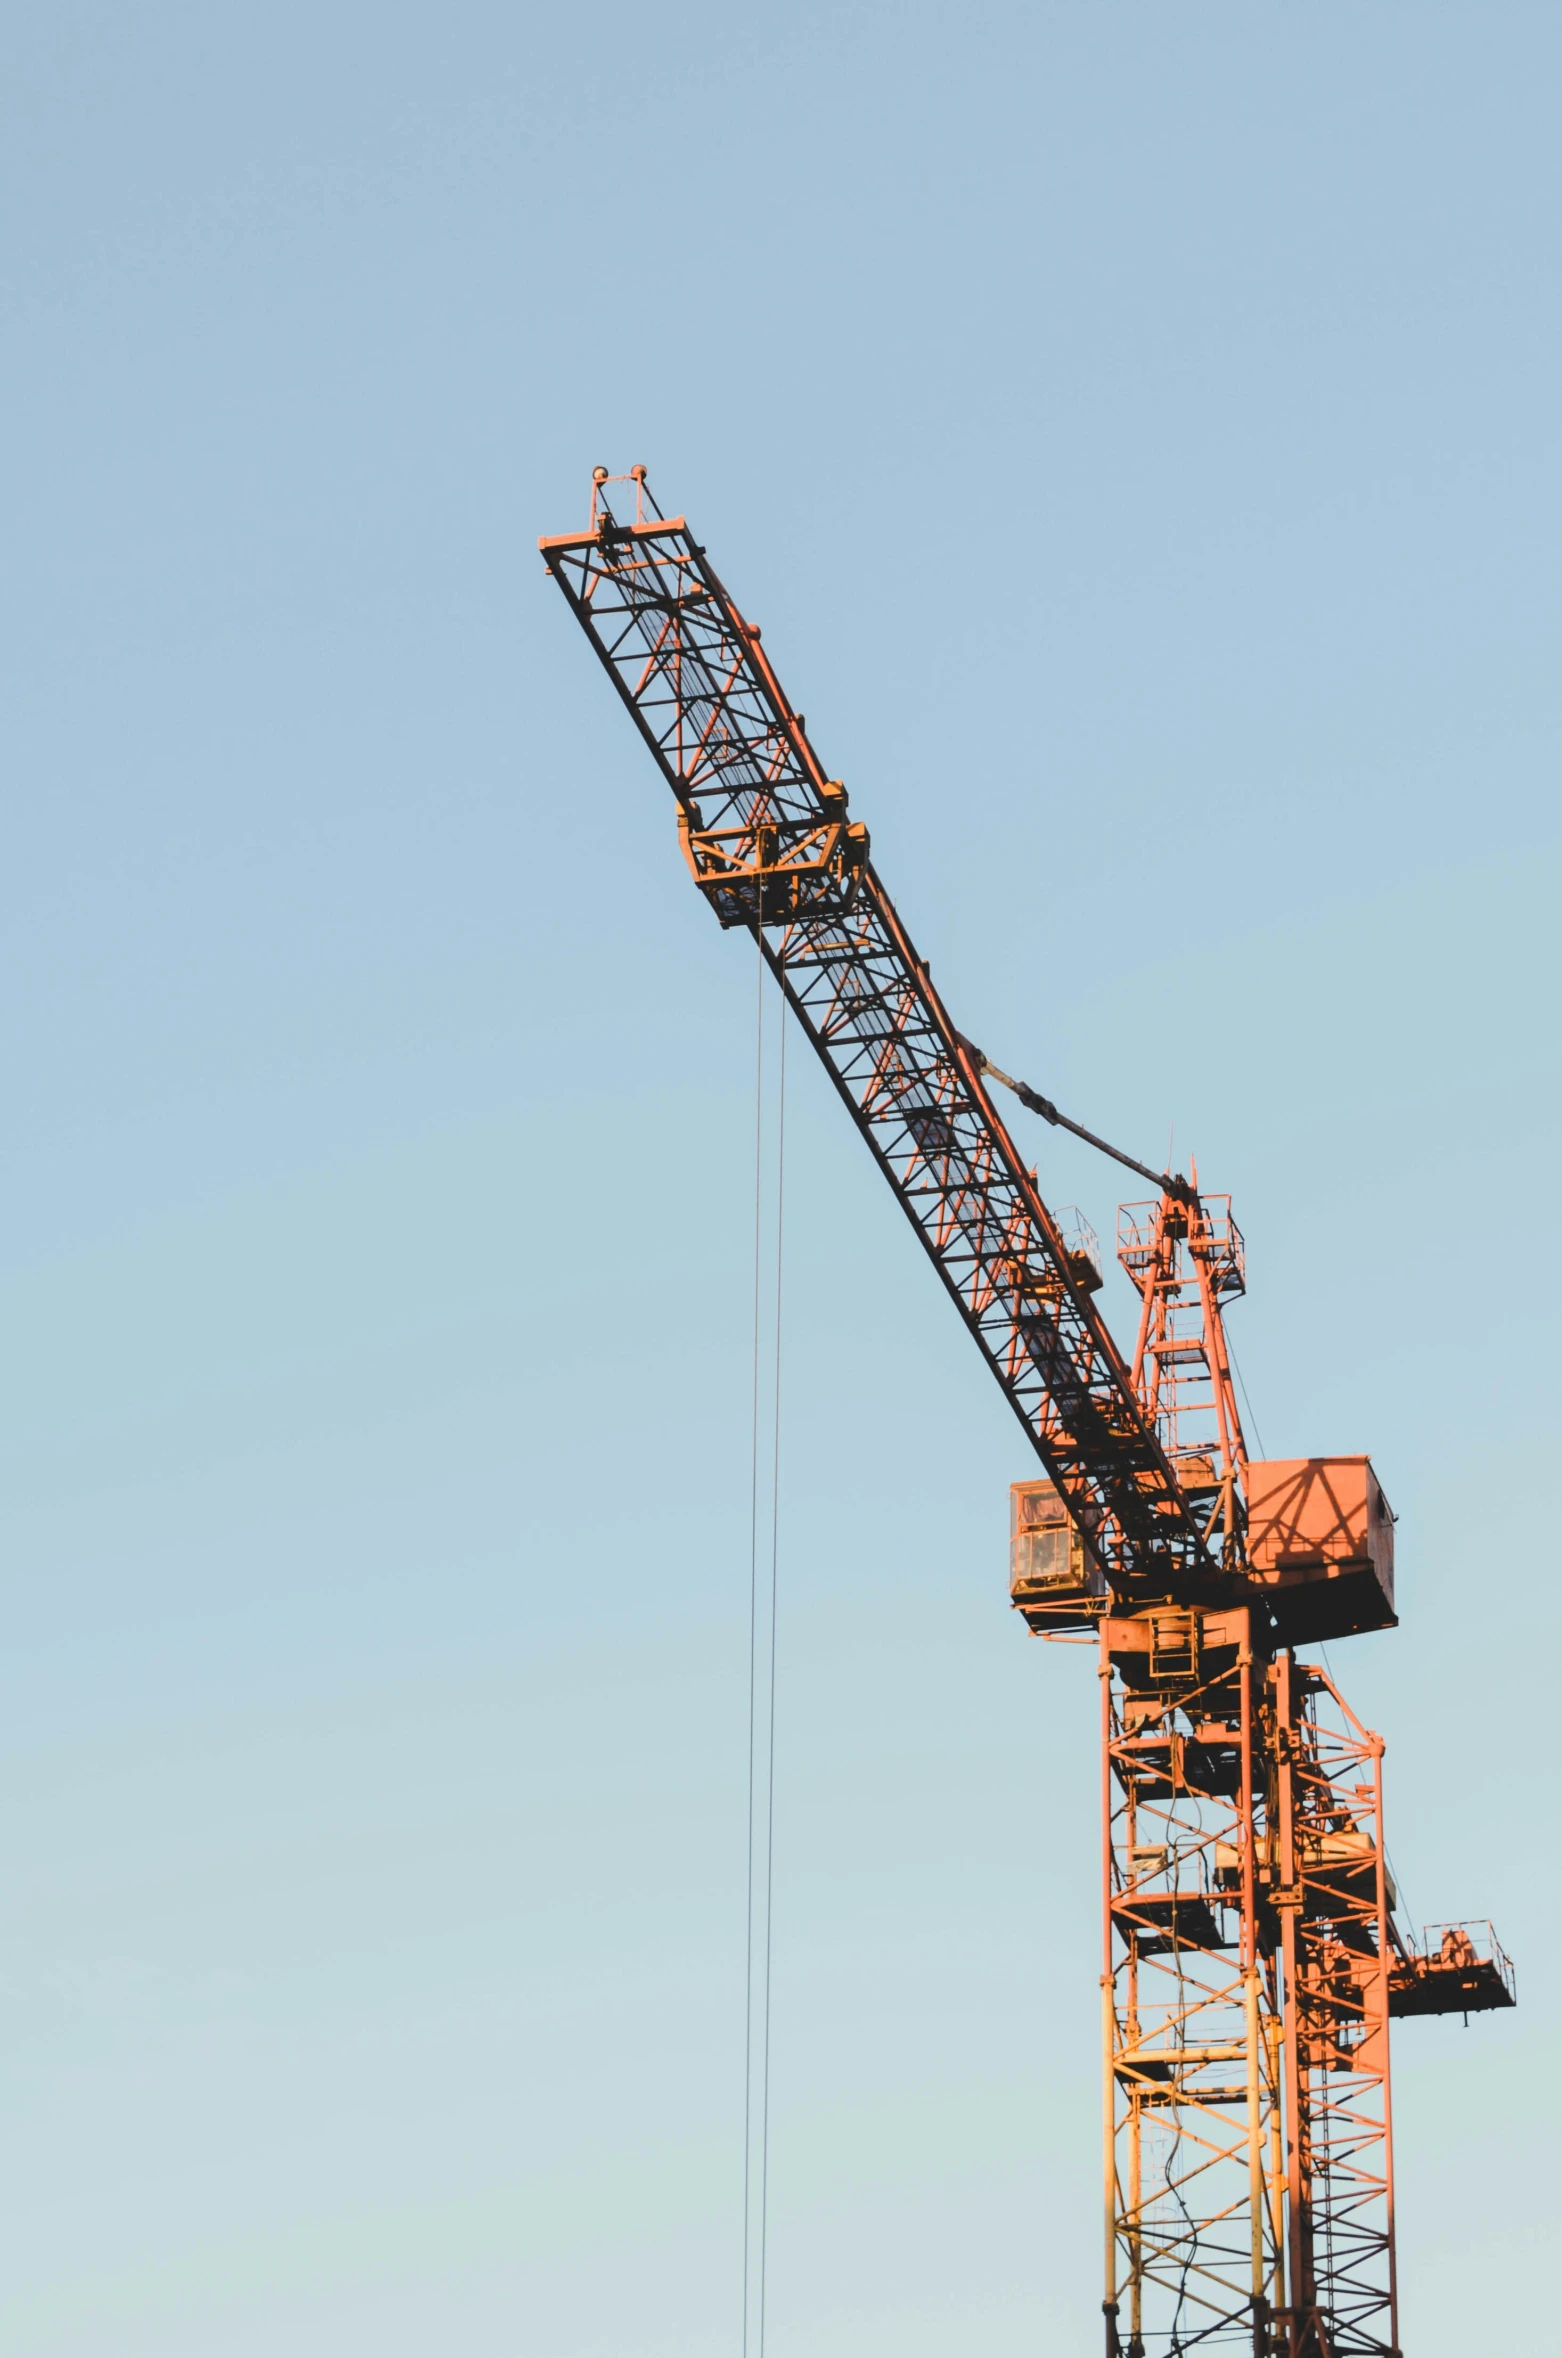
<point x="766" y="836"/>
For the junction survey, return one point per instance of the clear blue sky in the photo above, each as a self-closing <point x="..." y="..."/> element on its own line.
<point x="1136" y="429"/>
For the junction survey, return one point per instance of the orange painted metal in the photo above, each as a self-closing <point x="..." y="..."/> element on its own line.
<point x="1251" y="1961"/>
<point x="1337" y="1951"/>
<point x="1250" y="1949"/>
<point x="1052" y="1580"/>
<point x="1308" y="1542"/>
<point x="1320" y="1537"/>
<point x="1451" y="1969"/>
<point x="1186" y="1256"/>
<point x="1192" y="2088"/>
<point x="1280" y="2241"/>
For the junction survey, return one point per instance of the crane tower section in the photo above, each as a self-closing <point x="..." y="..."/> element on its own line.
<point x="1248" y="1949"/>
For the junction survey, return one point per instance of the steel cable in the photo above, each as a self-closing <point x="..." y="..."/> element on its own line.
<point x="770" y="1776"/>
<point x="761" y="1716"/>
<point x="753" y="1637"/>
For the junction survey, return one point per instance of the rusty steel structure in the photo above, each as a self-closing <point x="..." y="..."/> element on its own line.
<point x="1252" y="1960"/>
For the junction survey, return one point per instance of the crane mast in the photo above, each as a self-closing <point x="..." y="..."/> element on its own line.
<point x="1251" y="1956"/>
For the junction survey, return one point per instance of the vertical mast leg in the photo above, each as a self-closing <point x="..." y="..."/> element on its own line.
<point x="1334" y="1898"/>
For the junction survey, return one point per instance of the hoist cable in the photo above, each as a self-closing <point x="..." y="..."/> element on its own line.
<point x="753" y="1638"/>
<point x="761" y="1703"/>
<point x="1246" y="1401"/>
<point x="770" y="1776"/>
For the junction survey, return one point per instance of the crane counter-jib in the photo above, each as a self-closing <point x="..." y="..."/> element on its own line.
<point x="768" y="840"/>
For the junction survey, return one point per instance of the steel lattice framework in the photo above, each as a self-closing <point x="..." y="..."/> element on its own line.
<point x="1248" y="1953"/>
<point x="1195" y="2188"/>
<point x="1251" y="1961"/>
<point x="766" y="835"/>
<point x="1336" y="1954"/>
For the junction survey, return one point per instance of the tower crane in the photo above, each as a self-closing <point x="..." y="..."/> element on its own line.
<point x="1252" y="1957"/>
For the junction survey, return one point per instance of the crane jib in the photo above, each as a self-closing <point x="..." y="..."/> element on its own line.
<point x="767" y="838"/>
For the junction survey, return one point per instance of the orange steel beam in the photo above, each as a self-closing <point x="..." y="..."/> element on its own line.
<point x="766" y="836"/>
<point x="1338" y="1955"/>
